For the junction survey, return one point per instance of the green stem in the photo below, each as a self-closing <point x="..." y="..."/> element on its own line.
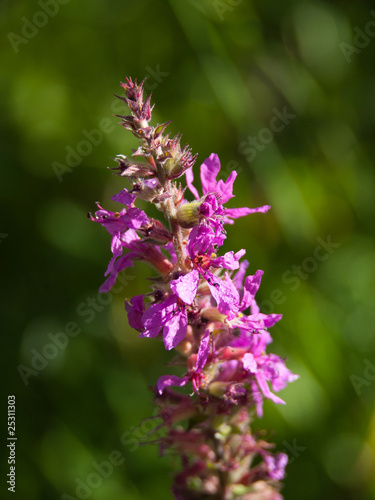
<point x="176" y="230"/>
<point x="169" y="209"/>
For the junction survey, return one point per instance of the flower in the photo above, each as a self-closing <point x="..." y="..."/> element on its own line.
<point x="118" y="224"/>
<point x="169" y="315"/>
<point x="202" y="242"/>
<point x="135" y="309"/>
<point x="195" y="374"/>
<point x="170" y="380"/>
<point x="223" y="190"/>
<point x="123" y="227"/>
<point x="276" y="465"/>
<point x="265" y="368"/>
<point x="138" y="251"/>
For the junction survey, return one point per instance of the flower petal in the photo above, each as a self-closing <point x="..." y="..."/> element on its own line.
<point x="124" y="197"/>
<point x="203" y="352"/>
<point x="224" y="292"/>
<point x="109" y="220"/>
<point x="175" y="330"/>
<point x="266" y="390"/>
<point x="157" y="315"/>
<point x="276" y="465"/>
<point x="201" y="241"/>
<point x="186" y="286"/>
<point x="228" y="260"/>
<point x="235" y="213"/>
<point x="269" y="319"/>
<point x="249" y="363"/>
<point x="122" y="263"/>
<point x="134" y="218"/>
<point x="170" y="380"/>
<point x="209" y="170"/>
<point x="225" y="189"/>
<point x="189" y="181"/>
<point x="240" y="275"/>
<point x="135" y="309"/>
<point x="251" y="286"/>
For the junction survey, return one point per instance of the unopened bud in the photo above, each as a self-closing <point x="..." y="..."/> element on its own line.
<point x="223" y="432"/>
<point x="184" y="348"/>
<point x="218" y="389"/>
<point x="175" y="167"/>
<point x="175" y="160"/>
<point x="155" y="232"/>
<point x="212" y="314"/>
<point x="128" y="168"/>
<point x="239" y="490"/>
<point x="188" y="214"/>
<point x="145" y="192"/>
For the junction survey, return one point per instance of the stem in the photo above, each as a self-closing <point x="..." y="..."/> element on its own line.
<point x="169" y="209"/>
<point x="222" y="475"/>
<point x="176" y="230"/>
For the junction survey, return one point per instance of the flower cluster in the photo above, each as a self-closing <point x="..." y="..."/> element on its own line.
<point x="203" y="306"/>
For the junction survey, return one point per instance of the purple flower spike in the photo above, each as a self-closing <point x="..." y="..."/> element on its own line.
<point x="201" y="304"/>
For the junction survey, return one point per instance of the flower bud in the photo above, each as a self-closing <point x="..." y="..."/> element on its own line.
<point x="223" y="431"/>
<point x="155" y="232"/>
<point x="218" y="389"/>
<point x="127" y="168"/>
<point x="144" y="191"/>
<point x="188" y="214"/>
<point x="175" y="160"/>
<point x="212" y="314"/>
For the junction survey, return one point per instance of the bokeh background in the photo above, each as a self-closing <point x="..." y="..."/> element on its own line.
<point x="223" y="71"/>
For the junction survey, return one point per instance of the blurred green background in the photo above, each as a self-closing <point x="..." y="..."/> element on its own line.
<point x="284" y="92"/>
